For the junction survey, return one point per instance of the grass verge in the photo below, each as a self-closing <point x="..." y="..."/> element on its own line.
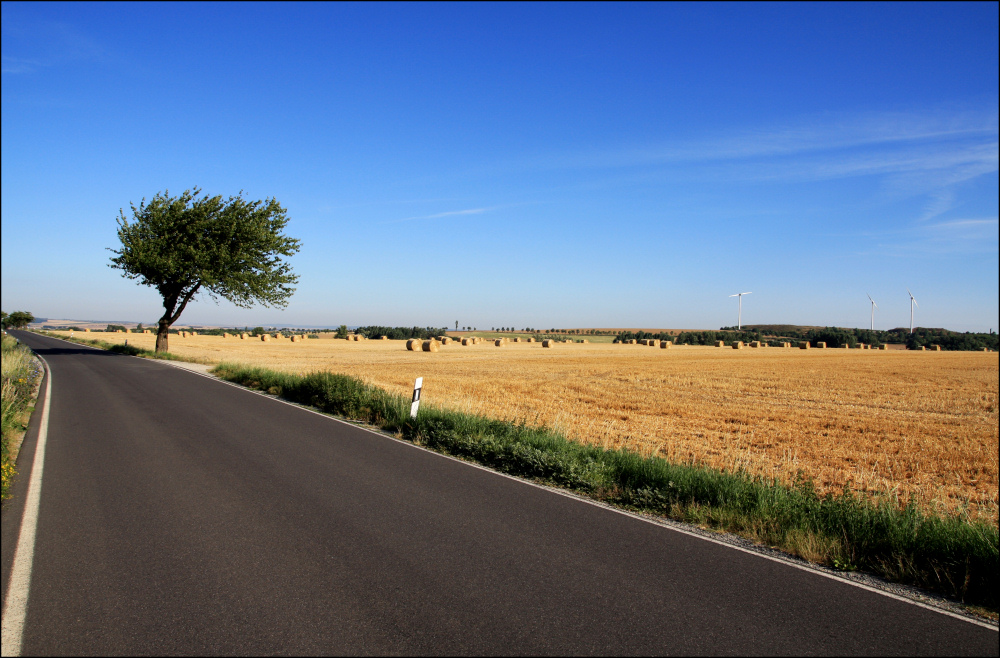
<point x="18" y="374"/>
<point x="953" y="555"/>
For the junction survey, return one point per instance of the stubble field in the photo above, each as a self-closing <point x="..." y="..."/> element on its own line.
<point x="916" y="424"/>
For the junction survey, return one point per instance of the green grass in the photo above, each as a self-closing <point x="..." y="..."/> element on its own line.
<point x="953" y="555"/>
<point x="17" y="381"/>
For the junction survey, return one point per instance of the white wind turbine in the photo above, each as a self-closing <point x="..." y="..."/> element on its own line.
<point x="874" y="306"/>
<point x="739" y="318"/>
<point x="913" y="302"/>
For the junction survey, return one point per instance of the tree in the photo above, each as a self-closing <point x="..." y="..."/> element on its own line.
<point x="227" y="248"/>
<point x="19" y="319"/>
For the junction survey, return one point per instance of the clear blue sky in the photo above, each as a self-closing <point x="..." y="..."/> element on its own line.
<point x="546" y="165"/>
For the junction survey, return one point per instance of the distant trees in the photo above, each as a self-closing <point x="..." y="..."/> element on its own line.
<point x="399" y="333"/>
<point x="18" y="319"/>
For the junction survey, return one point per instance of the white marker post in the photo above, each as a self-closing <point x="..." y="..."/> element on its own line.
<point x="416" y="397"/>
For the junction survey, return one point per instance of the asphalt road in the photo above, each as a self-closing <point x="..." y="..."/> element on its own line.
<point x="182" y="515"/>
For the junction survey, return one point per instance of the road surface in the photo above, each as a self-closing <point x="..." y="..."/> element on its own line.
<point x="182" y="515"/>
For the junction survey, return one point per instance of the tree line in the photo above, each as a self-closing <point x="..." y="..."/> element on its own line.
<point x="832" y="336"/>
<point x="401" y="333"/>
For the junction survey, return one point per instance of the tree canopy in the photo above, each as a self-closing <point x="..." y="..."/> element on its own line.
<point x="187" y="244"/>
<point x="18" y="319"/>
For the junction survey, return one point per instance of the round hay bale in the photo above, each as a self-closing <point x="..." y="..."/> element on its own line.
<point x="446" y="340"/>
<point x="585" y="341"/>
<point x="632" y="341"/>
<point x="737" y="344"/>
<point x="548" y="342"/>
<point x="820" y="345"/>
<point x="923" y="348"/>
<point x="720" y="343"/>
<point x="413" y="345"/>
<point x="498" y="342"/>
<point x="804" y="345"/>
<point x="466" y="341"/>
<point x="265" y="337"/>
<point x="145" y="331"/>
<point x="430" y="346"/>
<point x="517" y="340"/>
<point x="529" y="340"/>
<point x="295" y="339"/>
<point x="936" y="348"/>
<point x="665" y="344"/>
<point x="383" y="338"/>
<point x="243" y="336"/>
<point x="755" y="343"/>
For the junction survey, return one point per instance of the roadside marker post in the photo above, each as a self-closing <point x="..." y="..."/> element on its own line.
<point x="416" y="397"/>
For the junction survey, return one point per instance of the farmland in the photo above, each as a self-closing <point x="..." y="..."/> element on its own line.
<point x="915" y="424"/>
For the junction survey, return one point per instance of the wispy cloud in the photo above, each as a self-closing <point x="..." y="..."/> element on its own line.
<point x="31" y="46"/>
<point x="956" y="236"/>
<point x="450" y="213"/>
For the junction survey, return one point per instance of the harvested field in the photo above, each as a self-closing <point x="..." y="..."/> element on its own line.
<point x="921" y="424"/>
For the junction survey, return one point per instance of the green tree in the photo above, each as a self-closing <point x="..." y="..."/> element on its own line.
<point x="189" y="244"/>
<point x="341" y="331"/>
<point x="19" y="319"/>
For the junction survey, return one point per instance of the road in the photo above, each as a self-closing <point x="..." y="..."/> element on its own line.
<point x="183" y="515"/>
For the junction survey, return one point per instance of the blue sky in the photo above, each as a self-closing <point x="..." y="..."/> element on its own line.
<point x="545" y="165"/>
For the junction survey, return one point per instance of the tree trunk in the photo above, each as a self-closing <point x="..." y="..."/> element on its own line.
<point x="161" y="336"/>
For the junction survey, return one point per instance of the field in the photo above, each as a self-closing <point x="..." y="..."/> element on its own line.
<point x="917" y="424"/>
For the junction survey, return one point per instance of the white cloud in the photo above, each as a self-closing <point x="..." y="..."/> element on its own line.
<point x="450" y="213"/>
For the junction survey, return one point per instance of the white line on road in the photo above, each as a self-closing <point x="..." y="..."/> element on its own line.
<point x="15" y="606"/>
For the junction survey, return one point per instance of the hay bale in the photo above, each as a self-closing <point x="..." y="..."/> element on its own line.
<point x="585" y="341"/>
<point x="786" y="345"/>
<point x="517" y="340"/>
<point x="804" y="345"/>
<point x="446" y="340"/>
<point x="755" y="343"/>
<point x="737" y="344"/>
<point x="243" y="336"/>
<point x="923" y="348"/>
<point x="430" y="346"/>
<point x="265" y="338"/>
<point x="666" y="344"/>
<point x="720" y="343"/>
<point x="466" y="341"/>
<point x="884" y="347"/>
<point x="846" y="346"/>
<point x="529" y="340"/>
<point x="383" y="338"/>
<point x="295" y="339"/>
<point x="498" y="342"/>
<point x="413" y="345"/>
<point x="145" y="331"/>
<point x="937" y="348"/>
<point x="548" y="342"/>
<point x="820" y="345"/>
<point x="87" y="331"/>
<point x="632" y="342"/>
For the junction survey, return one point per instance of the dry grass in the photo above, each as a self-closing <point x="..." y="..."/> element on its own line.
<point x="921" y="424"/>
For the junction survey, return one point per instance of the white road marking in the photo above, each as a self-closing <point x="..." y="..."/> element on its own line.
<point x="15" y="606"/>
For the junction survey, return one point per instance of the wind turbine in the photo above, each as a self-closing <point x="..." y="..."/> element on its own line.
<point x="913" y="302"/>
<point x="874" y="306"/>
<point x="739" y="318"/>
